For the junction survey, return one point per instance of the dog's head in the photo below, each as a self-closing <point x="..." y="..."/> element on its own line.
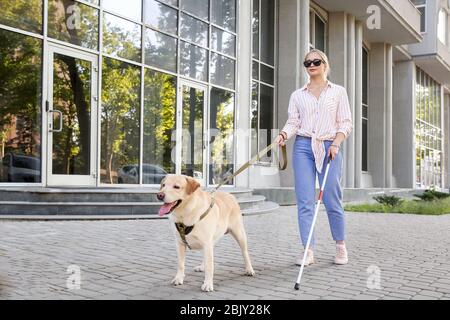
<point x="174" y="190"/>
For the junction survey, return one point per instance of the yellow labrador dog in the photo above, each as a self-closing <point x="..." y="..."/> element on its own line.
<point x="183" y="197"/>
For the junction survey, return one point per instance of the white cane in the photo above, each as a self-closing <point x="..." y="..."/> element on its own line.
<point x="311" y="230"/>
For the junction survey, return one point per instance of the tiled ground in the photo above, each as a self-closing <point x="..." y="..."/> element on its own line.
<point x="136" y="259"/>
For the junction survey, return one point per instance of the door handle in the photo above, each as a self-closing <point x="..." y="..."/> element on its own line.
<point x="60" y="121"/>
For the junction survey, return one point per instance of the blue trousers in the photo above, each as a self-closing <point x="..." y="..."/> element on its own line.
<point x="305" y="180"/>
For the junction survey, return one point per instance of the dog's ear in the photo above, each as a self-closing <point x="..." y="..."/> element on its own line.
<point x="192" y="185"/>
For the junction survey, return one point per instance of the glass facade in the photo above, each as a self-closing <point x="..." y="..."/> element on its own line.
<point x="144" y="48"/>
<point x="428" y="131"/>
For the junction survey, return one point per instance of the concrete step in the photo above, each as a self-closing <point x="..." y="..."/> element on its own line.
<point x="102" y="208"/>
<point x="41" y="194"/>
<point x="21" y="210"/>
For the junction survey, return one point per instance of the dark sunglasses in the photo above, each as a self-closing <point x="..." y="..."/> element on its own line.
<point x="316" y="62"/>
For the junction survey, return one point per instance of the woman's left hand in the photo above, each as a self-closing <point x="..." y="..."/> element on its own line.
<point x="333" y="151"/>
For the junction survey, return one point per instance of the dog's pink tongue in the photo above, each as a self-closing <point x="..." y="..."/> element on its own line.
<point x="165" y="209"/>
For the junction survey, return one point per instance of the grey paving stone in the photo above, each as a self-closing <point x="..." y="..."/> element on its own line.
<point x="136" y="259"/>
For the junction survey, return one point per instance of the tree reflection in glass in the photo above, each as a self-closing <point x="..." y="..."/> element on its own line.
<point x="159" y="125"/>
<point x="72" y="96"/>
<point x="192" y="131"/>
<point x="120" y="122"/>
<point x="20" y="108"/>
<point x="73" y="22"/>
<point x="121" y="37"/>
<point x="22" y="14"/>
<point x="221" y="135"/>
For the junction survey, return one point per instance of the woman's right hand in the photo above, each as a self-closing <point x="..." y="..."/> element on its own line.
<point x="280" y="140"/>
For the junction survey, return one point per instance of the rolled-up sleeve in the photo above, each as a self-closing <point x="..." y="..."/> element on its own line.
<point x="293" y="122"/>
<point x="344" y="120"/>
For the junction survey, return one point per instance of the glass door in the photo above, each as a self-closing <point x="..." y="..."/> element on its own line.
<point x="192" y="130"/>
<point x="71" y="109"/>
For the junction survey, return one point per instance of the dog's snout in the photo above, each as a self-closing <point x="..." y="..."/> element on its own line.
<point x="160" y="196"/>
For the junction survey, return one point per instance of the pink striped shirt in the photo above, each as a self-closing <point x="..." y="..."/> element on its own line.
<point x="321" y="119"/>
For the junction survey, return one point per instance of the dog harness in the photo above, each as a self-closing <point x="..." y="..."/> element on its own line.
<point x="184" y="230"/>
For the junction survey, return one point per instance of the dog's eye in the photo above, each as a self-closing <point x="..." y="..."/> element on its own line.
<point x="163" y="184"/>
<point x="176" y="187"/>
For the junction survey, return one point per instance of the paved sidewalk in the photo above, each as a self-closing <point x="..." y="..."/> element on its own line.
<point x="136" y="259"/>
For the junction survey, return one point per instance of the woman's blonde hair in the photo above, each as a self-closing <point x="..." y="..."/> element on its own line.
<point x="323" y="56"/>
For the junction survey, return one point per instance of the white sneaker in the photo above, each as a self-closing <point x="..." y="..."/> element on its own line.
<point x="341" y="254"/>
<point x="309" y="258"/>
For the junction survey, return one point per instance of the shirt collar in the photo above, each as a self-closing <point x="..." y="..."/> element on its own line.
<point x="329" y="84"/>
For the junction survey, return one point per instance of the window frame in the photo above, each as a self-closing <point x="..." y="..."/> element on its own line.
<point x="366" y="105"/>
<point x="316" y="13"/>
<point x="265" y="161"/>
<point x="418" y="7"/>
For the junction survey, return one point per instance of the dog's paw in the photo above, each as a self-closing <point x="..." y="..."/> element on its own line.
<point x="249" y="272"/>
<point x="207" y="286"/>
<point x="199" y="268"/>
<point x="178" y="280"/>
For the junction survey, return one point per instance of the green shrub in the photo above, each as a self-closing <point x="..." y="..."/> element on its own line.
<point x="431" y="194"/>
<point x="391" y="201"/>
<point x="437" y="207"/>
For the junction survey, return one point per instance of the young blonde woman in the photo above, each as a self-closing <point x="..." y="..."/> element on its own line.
<point x="320" y="118"/>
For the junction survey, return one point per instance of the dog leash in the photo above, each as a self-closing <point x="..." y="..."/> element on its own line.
<point x="253" y="160"/>
<point x="184" y="230"/>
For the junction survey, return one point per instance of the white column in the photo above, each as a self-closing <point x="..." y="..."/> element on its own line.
<point x="403" y="123"/>
<point x="242" y="137"/>
<point x="377" y="119"/>
<point x="388" y="114"/>
<point x="350" y="86"/>
<point x="292" y="46"/>
<point x="337" y="54"/>
<point x="357" y="119"/>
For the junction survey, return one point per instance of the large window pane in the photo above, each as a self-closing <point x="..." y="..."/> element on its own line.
<point x="171" y="2"/>
<point x="365" y="70"/>
<point x="428" y="129"/>
<point x="159" y="126"/>
<point x="22" y="14"/>
<point x="160" y="50"/>
<point x="20" y="108"/>
<point x="267" y="74"/>
<point x="222" y="71"/>
<point x="71" y="147"/>
<point x="265" y="119"/>
<point x="121" y="37"/>
<point x="255" y="29"/>
<point x="199" y="8"/>
<point x="73" y="22"/>
<point x="364" y="165"/>
<point x="120" y="122"/>
<point x="223" y="41"/>
<point x="194" y="30"/>
<point x="319" y="33"/>
<point x="267" y="31"/>
<point x="193" y="61"/>
<point x="255" y="70"/>
<point x="192" y="140"/>
<point x="161" y="16"/>
<point x="129" y="8"/>
<point x="224" y="13"/>
<point x="221" y="135"/>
